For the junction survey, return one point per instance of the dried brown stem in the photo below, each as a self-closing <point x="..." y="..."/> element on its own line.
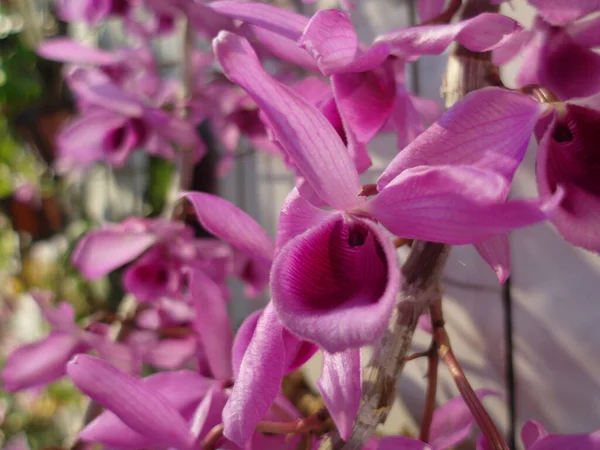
<point x="483" y="419"/>
<point x="432" y="378"/>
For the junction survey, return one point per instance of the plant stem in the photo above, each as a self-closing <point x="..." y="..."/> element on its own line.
<point x="483" y="419"/>
<point x="432" y="378"/>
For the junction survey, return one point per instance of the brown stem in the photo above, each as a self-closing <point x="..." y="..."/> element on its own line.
<point x="432" y="378"/>
<point x="483" y="419"/>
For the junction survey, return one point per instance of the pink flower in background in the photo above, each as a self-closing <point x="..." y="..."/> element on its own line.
<point x="44" y="361"/>
<point x="535" y="437"/>
<point x="562" y="59"/>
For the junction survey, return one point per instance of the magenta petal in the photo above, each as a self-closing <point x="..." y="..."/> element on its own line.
<point x="365" y="100"/>
<point x="278" y="20"/>
<point x="40" y="362"/>
<point x="508" y="118"/>
<point x="512" y="48"/>
<point x="304" y="133"/>
<point x="567" y="68"/>
<point x="589" y="441"/>
<point x="242" y="340"/>
<point x="561" y="12"/>
<point x="567" y="158"/>
<point x="340" y="388"/>
<point x="182" y="389"/>
<point x="96" y="88"/>
<point x="455" y="205"/>
<point x="330" y="38"/>
<point x="212" y="324"/>
<point x="109" y="430"/>
<point x="496" y="252"/>
<point x="532" y="432"/>
<point x="170" y="354"/>
<point x="452" y="422"/>
<point x="209" y="411"/>
<point x="228" y="222"/>
<point x="68" y="50"/>
<point x="144" y="410"/>
<point x="482" y="33"/>
<point x="286" y="49"/>
<point x="336" y="284"/>
<point x="297" y="215"/>
<point x="258" y="381"/>
<point x="61" y="318"/>
<point x="101" y="251"/>
<point x="585" y="32"/>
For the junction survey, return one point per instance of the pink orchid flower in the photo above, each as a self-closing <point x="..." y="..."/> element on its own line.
<point x="44" y="361"/>
<point x="561" y="58"/>
<point x="566" y="160"/>
<point x="346" y="258"/>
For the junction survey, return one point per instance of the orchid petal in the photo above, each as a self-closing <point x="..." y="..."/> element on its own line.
<point x="209" y="411"/>
<point x="561" y="12"/>
<point x="508" y="118"/>
<point x="340" y="388"/>
<point x="512" y="48"/>
<point x="285" y="49"/>
<point x="242" y="340"/>
<point x="182" y="389"/>
<point x="101" y="251"/>
<point x="429" y="9"/>
<point x="452" y="422"/>
<point x="212" y="324"/>
<point x="365" y="100"/>
<point x="144" y="410"/>
<point x="482" y="33"/>
<point x="589" y="441"/>
<point x="96" y="88"/>
<point x="297" y="215"/>
<point x="61" y="318"/>
<point x="70" y="51"/>
<point x="455" y="205"/>
<point x="278" y="20"/>
<point x="567" y="157"/>
<point x="228" y="222"/>
<point x="40" y="362"/>
<point x="567" y="68"/>
<point x="258" y="381"/>
<point x="532" y="432"/>
<point x="496" y="252"/>
<point x="303" y="132"/>
<point x="170" y="354"/>
<point x="585" y="32"/>
<point x="330" y="38"/>
<point x="336" y="284"/>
